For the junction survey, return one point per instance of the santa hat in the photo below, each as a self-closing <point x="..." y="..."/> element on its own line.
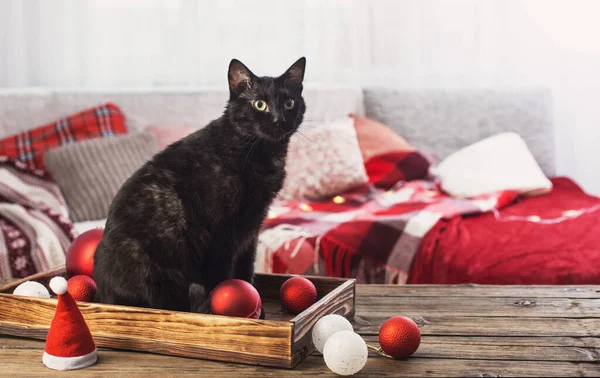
<point x="69" y="344"/>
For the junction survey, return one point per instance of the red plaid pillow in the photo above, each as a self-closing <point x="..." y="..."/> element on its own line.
<point x="386" y="170"/>
<point x="30" y="146"/>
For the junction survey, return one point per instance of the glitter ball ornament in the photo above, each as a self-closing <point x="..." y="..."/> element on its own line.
<point x="399" y="337"/>
<point x="80" y="256"/>
<point x="235" y="298"/>
<point x="297" y="294"/>
<point x="345" y="353"/>
<point x="32" y="289"/>
<point x="82" y="288"/>
<point x="326" y="327"/>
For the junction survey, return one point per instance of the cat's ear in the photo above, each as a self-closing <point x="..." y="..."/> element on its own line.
<point x="295" y="74"/>
<point x="240" y="77"/>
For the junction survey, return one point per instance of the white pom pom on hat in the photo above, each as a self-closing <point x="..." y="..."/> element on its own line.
<point x="59" y="285"/>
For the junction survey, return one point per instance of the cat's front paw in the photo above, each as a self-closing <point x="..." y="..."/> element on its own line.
<point x="199" y="300"/>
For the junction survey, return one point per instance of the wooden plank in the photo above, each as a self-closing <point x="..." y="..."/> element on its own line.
<point x="273" y="311"/>
<point x="516" y="353"/>
<point x="484" y="306"/>
<point x="489" y="348"/>
<point x="25" y="363"/>
<point x="548" y="341"/>
<point x="12" y="342"/>
<point x="472" y="290"/>
<point x="481" y="349"/>
<point x="157" y="331"/>
<point x="482" y="326"/>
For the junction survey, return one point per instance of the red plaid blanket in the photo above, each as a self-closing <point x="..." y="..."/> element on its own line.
<point x="30" y="146"/>
<point x="371" y="233"/>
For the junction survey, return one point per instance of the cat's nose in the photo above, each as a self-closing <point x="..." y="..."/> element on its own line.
<point x="278" y="118"/>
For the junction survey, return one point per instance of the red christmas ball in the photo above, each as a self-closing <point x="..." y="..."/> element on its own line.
<point x="80" y="256"/>
<point x="399" y="337"/>
<point x="235" y="298"/>
<point x="82" y="288"/>
<point x="297" y="294"/>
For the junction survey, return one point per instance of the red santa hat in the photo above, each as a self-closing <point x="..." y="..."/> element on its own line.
<point x="69" y="344"/>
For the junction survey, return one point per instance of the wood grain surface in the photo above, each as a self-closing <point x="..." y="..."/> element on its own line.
<point x="499" y="336"/>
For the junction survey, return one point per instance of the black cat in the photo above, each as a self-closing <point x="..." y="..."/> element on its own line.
<point x="192" y="214"/>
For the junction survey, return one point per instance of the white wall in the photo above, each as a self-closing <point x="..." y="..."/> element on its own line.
<point x="405" y="43"/>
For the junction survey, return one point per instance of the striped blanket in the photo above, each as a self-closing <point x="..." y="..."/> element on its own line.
<point x="372" y="233"/>
<point x="35" y="231"/>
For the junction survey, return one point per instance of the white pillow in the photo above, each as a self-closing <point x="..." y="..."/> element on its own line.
<point x="500" y="162"/>
<point x="324" y="161"/>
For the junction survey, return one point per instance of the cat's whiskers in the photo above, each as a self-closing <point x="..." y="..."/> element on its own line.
<point x="310" y="122"/>
<point x="310" y="125"/>
<point x="306" y="130"/>
<point x="303" y="136"/>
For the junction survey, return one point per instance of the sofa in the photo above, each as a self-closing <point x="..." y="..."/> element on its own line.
<point x="475" y="241"/>
<point x="435" y="121"/>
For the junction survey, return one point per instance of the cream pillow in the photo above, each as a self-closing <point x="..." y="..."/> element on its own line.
<point x="500" y="162"/>
<point x="323" y="161"/>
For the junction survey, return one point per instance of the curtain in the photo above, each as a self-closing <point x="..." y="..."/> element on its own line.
<point x="413" y="43"/>
<point x="169" y="42"/>
<point x="402" y="43"/>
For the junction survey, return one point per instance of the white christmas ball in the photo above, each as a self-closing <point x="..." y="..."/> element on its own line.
<point x="327" y="326"/>
<point x="32" y="289"/>
<point x="345" y="353"/>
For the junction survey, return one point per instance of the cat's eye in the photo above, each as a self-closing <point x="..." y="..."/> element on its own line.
<point x="289" y="104"/>
<point x="260" y="105"/>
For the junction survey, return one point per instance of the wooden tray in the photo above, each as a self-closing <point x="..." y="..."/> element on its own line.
<point x="281" y="340"/>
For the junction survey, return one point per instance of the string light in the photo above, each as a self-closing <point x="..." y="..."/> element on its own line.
<point x="339" y="199"/>
<point x="276" y="210"/>
<point x="565" y="215"/>
<point x="305" y="207"/>
<point x="571" y="213"/>
<point x="432" y="193"/>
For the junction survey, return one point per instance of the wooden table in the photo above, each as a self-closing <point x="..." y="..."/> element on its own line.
<point x="470" y="330"/>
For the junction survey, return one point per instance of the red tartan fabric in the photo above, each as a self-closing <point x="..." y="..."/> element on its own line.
<point x="551" y="239"/>
<point x="30" y="146"/>
<point x="386" y="170"/>
<point x="371" y="233"/>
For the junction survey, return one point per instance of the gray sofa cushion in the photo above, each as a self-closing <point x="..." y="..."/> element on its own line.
<point x="442" y="122"/>
<point x="22" y="108"/>
<point x="91" y="172"/>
